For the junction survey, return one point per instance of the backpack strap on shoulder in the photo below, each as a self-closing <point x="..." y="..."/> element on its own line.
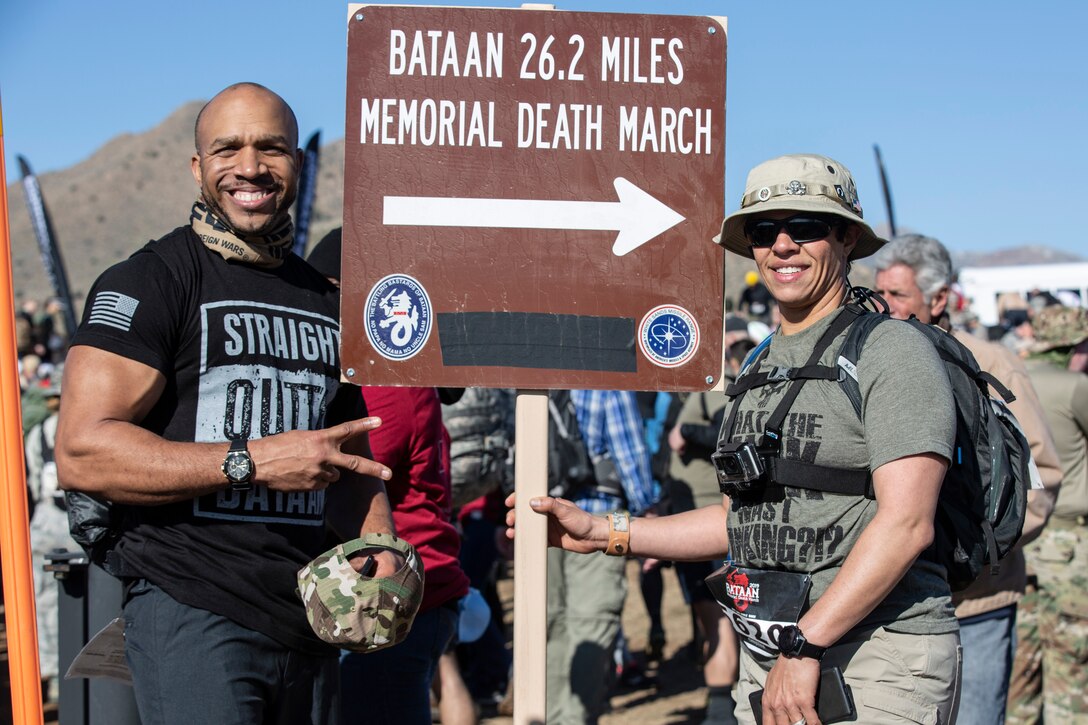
<point x="751" y="363"/>
<point x="752" y="377"/>
<point x="1006" y="394"/>
<point x="772" y="431"/>
<point x="557" y="401"/>
<point x="799" y="474"/>
<point x="850" y="353"/>
<point x="780" y="374"/>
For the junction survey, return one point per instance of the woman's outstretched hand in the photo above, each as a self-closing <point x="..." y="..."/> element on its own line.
<point x="569" y="527"/>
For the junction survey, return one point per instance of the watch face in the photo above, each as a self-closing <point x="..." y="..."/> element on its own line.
<point x="788" y="640"/>
<point x="237" y="466"/>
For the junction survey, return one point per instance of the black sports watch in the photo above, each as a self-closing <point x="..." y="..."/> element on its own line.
<point x="792" y="643"/>
<point x="238" y="466"/>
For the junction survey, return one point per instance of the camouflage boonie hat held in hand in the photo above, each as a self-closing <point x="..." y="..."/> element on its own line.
<point x="1057" y="326"/>
<point x="360" y="613"/>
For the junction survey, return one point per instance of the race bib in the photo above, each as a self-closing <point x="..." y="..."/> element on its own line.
<point x="759" y="603"/>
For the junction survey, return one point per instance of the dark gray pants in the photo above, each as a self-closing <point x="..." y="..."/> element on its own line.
<point x="190" y="666"/>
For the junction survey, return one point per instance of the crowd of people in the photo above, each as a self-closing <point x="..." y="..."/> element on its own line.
<point x="232" y="463"/>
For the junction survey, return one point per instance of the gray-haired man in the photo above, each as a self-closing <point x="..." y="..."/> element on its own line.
<point x="914" y="275"/>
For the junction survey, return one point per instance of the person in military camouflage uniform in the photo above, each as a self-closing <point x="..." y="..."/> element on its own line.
<point x="1050" y="673"/>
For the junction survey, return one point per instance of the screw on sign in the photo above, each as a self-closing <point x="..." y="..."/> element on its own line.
<point x="530" y="199"/>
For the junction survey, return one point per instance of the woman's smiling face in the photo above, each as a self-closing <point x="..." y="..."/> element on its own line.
<point x="807" y="280"/>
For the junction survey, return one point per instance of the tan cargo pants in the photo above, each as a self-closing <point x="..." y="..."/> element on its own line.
<point x="893" y="677"/>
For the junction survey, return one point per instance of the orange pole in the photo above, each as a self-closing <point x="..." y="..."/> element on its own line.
<point x="26" y="685"/>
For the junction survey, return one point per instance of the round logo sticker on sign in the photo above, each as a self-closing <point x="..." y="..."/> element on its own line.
<point x="398" y="316"/>
<point x="668" y="336"/>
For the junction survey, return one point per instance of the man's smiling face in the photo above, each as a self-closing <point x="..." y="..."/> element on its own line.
<point x="247" y="158"/>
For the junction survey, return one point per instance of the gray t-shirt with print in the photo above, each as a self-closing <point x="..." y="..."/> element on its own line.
<point x="907" y="408"/>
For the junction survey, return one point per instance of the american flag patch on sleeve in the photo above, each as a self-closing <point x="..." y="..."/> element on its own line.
<point x="113" y="309"/>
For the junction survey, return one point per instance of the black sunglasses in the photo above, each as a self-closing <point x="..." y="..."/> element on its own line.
<point x="802" y="228"/>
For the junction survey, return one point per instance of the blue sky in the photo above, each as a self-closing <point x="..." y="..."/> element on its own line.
<point x="980" y="108"/>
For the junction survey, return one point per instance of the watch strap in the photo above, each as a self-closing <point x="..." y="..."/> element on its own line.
<point x="807" y="649"/>
<point x="619" y="534"/>
<point x="801" y="646"/>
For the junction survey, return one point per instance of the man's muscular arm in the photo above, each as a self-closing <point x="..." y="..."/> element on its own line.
<point x="101" y="448"/>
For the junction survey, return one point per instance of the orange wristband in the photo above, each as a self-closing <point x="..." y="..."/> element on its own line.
<point x="619" y="534"/>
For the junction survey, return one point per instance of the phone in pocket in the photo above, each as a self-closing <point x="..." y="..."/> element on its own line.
<point x="834" y="702"/>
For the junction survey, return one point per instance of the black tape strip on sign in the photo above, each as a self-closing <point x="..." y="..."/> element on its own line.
<point x="538" y="340"/>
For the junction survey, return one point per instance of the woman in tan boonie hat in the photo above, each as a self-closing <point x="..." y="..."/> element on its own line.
<point x="858" y="594"/>
<point x="799" y="182"/>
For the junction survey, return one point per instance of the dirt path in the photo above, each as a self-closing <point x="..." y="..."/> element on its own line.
<point x="679" y="695"/>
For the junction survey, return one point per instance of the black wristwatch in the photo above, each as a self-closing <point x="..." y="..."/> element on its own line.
<point x="238" y="466"/>
<point x="792" y="643"/>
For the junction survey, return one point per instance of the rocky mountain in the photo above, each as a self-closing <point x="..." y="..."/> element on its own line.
<point x="139" y="186"/>
<point x="1027" y="254"/>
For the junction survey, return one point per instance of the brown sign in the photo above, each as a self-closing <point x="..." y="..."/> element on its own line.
<point x="530" y="197"/>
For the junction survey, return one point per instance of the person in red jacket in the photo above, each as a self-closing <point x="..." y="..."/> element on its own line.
<point x="393" y="685"/>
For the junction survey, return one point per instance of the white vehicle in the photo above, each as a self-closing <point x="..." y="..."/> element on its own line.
<point x="983" y="285"/>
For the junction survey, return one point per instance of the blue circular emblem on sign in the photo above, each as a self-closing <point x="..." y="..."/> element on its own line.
<point x="668" y="336"/>
<point x="398" y="317"/>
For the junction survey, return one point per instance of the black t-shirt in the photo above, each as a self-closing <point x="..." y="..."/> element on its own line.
<point x="245" y="352"/>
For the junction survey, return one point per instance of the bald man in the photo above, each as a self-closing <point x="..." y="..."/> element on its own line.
<point x="201" y="399"/>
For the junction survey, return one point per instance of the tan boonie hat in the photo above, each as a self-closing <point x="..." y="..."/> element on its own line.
<point x="799" y="182"/>
<point x="356" y="612"/>
<point x="1058" y="326"/>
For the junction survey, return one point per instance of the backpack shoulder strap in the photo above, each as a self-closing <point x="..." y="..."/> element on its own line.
<point x="850" y="354"/>
<point x="752" y="377"/>
<point x="773" y="429"/>
<point x="806" y="475"/>
<point x="845" y="319"/>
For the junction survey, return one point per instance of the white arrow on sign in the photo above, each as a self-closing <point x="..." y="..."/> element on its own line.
<point x="637" y="216"/>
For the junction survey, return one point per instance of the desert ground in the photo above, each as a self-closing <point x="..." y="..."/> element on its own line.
<point x="675" y="694"/>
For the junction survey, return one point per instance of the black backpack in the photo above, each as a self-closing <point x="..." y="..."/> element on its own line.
<point x="983" y="500"/>
<point x="570" y="467"/>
